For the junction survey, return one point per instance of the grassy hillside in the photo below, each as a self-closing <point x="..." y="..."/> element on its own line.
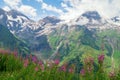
<point x="9" y="41"/>
<point x="67" y="44"/>
<point x="111" y="41"/>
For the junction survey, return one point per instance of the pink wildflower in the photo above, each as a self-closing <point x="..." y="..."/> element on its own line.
<point x="40" y="63"/>
<point x="56" y="61"/>
<point x="36" y="69"/>
<point x="71" y="70"/>
<point x="26" y="62"/>
<point x="63" y="68"/>
<point x="15" y="53"/>
<point x="101" y="58"/>
<point x="34" y="59"/>
<point x="82" y="72"/>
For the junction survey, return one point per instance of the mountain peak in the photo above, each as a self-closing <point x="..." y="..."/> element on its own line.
<point x="89" y="17"/>
<point x="50" y="19"/>
<point x="15" y="13"/>
<point x="92" y="15"/>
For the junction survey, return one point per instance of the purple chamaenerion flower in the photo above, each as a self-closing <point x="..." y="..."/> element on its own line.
<point x="63" y="68"/>
<point x="36" y="69"/>
<point x="26" y="62"/>
<point x="82" y="72"/>
<point x="101" y="58"/>
<point x="15" y="53"/>
<point x="34" y="59"/>
<point x="56" y="61"/>
<point x="71" y="70"/>
<point x="40" y="63"/>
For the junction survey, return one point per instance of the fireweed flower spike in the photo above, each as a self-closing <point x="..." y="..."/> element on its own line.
<point x="56" y="61"/>
<point x="82" y="72"/>
<point x="71" y="70"/>
<point x="34" y="59"/>
<point x="101" y="58"/>
<point x="40" y="63"/>
<point x="36" y="69"/>
<point x="15" y="53"/>
<point x="64" y="67"/>
<point x="26" y="62"/>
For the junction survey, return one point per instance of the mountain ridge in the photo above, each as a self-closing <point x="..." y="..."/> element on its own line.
<point x="51" y="37"/>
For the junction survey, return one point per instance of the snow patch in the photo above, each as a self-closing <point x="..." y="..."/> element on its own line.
<point x="1" y="16"/>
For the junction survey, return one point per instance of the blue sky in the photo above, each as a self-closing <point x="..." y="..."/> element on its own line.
<point x="64" y="9"/>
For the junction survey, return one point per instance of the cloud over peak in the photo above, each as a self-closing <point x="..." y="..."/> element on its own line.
<point x="19" y="6"/>
<point x="74" y="8"/>
<point x="65" y="9"/>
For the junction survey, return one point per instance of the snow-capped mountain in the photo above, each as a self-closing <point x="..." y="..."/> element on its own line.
<point x="40" y="35"/>
<point x="93" y="20"/>
<point x="27" y="29"/>
<point x="19" y="23"/>
<point x="49" y="20"/>
<point x="88" y="18"/>
<point x="92" y="15"/>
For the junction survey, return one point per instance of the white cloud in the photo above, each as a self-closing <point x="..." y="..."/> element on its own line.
<point x="70" y="8"/>
<point x="13" y="3"/>
<point x="28" y="10"/>
<point x="74" y="8"/>
<point x="51" y="8"/>
<point x="48" y="7"/>
<point x="63" y="5"/>
<point x="19" y="6"/>
<point x="6" y="8"/>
